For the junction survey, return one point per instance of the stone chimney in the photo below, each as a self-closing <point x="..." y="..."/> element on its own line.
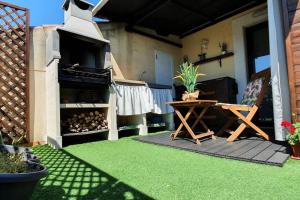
<point x="78" y="8"/>
<point x="78" y="19"/>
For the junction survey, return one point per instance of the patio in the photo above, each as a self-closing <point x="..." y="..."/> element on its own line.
<point x="128" y="169"/>
<point x="77" y="91"/>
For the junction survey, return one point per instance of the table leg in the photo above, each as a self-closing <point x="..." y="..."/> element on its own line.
<point x="190" y="111"/>
<point x="185" y="124"/>
<point x="199" y="118"/>
<point x="204" y="125"/>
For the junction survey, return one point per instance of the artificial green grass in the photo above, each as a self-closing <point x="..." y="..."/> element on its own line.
<point x="128" y="169"/>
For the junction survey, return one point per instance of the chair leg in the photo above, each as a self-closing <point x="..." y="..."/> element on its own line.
<point x="242" y="126"/>
<point x="226" y="126"/>
<point x="236" y="133"/>
<point x="259" y="131"/>
<point x="247" y="120"/>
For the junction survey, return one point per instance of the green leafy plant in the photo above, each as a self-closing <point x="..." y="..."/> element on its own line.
<point x="13" y="163"/>
<point x="188" y="75"/>
<point x="293" y="131"/>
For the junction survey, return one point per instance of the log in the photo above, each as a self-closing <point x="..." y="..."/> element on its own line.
<point x="86" y="121"/>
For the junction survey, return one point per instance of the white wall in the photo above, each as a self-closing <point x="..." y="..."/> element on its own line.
<point x="133" y="54"/>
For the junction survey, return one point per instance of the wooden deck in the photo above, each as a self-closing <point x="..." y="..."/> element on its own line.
<point x="252" y="149"/>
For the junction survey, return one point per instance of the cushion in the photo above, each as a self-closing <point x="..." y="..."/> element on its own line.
<point x="252" y="92"/>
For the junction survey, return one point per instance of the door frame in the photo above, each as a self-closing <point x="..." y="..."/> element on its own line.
<point x="240" y="48"/>
<point x="250" y="67"/>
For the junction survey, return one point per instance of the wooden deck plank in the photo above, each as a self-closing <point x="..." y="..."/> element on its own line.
<point x="235" y="147"/>
<point x="279" y="158"/>
<point x="267" y="153"/>
<point x="201" y="148"/>
<point x="247" y="149"/>
<point x="284" y="149"/>
<point x="210" y="144"/>
<point x="165" y="140"/>
<point x="181" y="143"/>
<point x="225" y="145"/>
<point x="255" y="151"/>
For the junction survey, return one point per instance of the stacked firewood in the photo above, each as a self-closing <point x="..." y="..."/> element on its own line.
<point x="84" y="122"/>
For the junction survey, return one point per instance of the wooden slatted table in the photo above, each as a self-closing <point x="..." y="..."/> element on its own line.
<point x="192" y="105"/>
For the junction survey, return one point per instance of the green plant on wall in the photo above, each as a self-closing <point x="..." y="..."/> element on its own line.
<point x="188" y="75"/>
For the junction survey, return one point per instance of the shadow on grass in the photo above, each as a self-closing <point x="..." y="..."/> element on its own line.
<point x="72" y="178"/>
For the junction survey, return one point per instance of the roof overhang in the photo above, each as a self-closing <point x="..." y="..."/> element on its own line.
<point x="176" y="17"/>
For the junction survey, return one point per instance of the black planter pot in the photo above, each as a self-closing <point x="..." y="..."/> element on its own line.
<point x="20" y="186"/>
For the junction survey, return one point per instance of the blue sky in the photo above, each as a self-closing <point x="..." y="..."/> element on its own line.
<point x="262" y="62"/>
<point x="44" y="11"/>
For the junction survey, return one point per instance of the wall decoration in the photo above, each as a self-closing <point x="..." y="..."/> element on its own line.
<point x="204" y="46"/>
<point x="223" y="47"/>
<point x="185" y="58"/>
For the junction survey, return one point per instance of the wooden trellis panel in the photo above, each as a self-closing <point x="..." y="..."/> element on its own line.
<point x="14" y="58"/>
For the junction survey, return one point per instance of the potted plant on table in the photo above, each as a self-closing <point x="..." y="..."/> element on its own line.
<point x="188" y="75"/>
<point x="20" y="171"/>
<point x="293" y="137"/>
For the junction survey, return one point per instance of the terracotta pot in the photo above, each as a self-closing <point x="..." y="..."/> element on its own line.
<point x="190" y="96"/>
<point x="296" y="151"/>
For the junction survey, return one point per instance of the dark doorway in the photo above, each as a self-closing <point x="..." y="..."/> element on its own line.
<point x="258" y="50"/>
<point x="258" y="57"/>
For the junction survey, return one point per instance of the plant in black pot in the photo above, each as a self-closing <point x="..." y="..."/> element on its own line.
<point x="20" y="171"/>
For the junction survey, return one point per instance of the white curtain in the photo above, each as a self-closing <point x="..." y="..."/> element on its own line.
<point x="158" y="99"/>
<point x="137" y="100"/>
<point x="132" y="100"/>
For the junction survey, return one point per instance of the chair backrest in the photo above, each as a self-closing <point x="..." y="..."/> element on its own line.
<point x="256" y="88"/>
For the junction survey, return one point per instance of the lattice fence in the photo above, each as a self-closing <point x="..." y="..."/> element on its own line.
<point x="14" y="55"/>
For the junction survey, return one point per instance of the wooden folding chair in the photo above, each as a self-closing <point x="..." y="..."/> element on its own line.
<point x="244" y="112"/>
